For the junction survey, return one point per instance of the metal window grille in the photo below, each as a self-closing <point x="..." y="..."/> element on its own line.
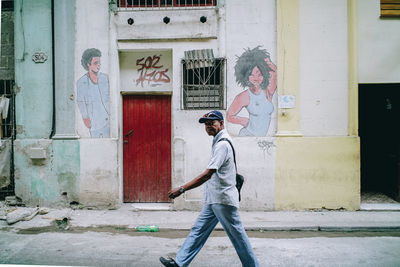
<point x="7" y="126"/>
<point x="7" y="4"/>
<point x="7" y="132"/>
<point x="203" y="87"/>
<point x="390" y="8"/>
<point x="162" y="4"/>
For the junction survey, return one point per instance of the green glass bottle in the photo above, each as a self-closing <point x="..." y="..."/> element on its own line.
<point x="147" y="228"/>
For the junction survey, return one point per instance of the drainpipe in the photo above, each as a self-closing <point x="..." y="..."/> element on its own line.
<point x="53" y="125"/>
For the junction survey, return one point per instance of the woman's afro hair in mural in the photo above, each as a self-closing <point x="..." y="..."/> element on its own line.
<point x="247" y="61"/>
<point x="88" y="55"/>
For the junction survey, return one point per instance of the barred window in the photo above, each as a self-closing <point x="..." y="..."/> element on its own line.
<point x="203" y="87"/>
<point x="390" y="8"/>
<point x="165" y="3"/>
<point x="6" y="109"/>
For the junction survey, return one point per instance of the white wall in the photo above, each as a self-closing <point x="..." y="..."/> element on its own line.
<point x="228" y="32"/>
<point x="92" y="31"/>
<point x="231" y="31"/>
<point x="136" y="67"/>
<point x="378" y="45"/>
<point x="99" y="182"/>
<point x="250" y="24"/>
<point x="99" y="175"/>
<point x="191" y="145"/>
<point x="323" y="67"/>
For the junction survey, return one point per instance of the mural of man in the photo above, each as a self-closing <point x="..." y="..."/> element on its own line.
<point x="93" y="95"/>
<point x="255" y="71"/>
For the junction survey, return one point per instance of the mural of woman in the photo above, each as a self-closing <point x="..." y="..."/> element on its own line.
<point x="255" y="71"/>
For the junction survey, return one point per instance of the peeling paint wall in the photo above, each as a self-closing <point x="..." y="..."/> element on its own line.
<point x="48" y="179"/>
<point x="99" y="184"/>
<point x="87" y="168"/>
<point x="34" y="101"/>
<point x="46" y="170"/>
<point x="228" y="31"/>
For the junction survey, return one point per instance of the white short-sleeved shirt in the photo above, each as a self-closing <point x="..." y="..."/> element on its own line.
<point x="221" y="187"/>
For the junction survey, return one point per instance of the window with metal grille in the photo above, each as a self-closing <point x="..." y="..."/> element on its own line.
<point x="7" y="4"/>
<point x="390" y="8"/>
<point x="7" y="102"/>
<point x="7" y="133"/>
<point x="6" y="108"/>
<point x="203" y="87"/>
<point x="165" y="3"/>
<point x="6" y="68"/>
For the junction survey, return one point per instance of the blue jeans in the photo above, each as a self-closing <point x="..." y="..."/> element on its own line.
<point x="228" y="216"/>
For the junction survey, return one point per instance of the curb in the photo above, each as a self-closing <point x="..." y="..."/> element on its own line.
<point x="327" y="229"/>
<point x="106" y="228"/>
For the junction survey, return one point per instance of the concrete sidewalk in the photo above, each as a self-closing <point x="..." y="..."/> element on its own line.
<point x="129" y="216"/>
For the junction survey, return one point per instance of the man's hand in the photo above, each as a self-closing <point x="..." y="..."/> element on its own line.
<point x="199" y="180"/>
<point x="174" y="193"/>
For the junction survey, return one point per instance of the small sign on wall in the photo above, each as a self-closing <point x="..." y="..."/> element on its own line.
<point x="39" y="57"/>
<point x="286" y="101"/>
<point x="146" y="70"/>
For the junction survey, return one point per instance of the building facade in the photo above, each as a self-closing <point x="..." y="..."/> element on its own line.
<point x="109" y="94"/>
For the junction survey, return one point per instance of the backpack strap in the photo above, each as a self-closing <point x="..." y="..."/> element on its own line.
<point x="233" y="150"/>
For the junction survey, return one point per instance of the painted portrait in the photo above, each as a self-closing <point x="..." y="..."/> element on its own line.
<point x="93" y="95"/>
<point x="256" y="74"/>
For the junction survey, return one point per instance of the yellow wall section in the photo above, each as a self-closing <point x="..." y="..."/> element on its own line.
<point x="317" y="172"/>
<point x="314" y="172"/>
<point x="353" y="66"/>
<point x="288" y="63"/>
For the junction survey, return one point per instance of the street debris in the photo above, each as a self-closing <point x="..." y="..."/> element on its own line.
<point x="63" y="223"/>
<point x="12" y="211"/>
<point x="43" y="211"/>
<point x="147" y="228"/>
<point x="21" y="214"/>
<point x="13" y="201"/>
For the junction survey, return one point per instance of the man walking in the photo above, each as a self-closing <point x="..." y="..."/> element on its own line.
<point x="221" y="200"/>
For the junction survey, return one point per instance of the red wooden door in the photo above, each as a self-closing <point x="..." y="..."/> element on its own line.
<point x="147" y="148"/>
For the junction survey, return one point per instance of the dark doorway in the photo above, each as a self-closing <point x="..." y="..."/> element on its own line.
<point x="379" y="113"/>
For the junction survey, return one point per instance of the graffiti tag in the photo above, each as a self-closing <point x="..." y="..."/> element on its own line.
<point x="150" y="71"/>
<point x="265" y="146"/>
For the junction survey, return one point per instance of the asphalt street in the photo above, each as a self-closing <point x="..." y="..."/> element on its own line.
<point x="124" y="247"/>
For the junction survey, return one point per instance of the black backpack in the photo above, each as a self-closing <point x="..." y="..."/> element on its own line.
<point x="239" y="178"/>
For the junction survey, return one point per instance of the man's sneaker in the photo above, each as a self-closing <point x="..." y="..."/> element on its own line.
<point x="168" y="262"/>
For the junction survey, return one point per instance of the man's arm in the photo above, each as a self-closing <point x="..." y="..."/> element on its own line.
<point x="199" y="180"/>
